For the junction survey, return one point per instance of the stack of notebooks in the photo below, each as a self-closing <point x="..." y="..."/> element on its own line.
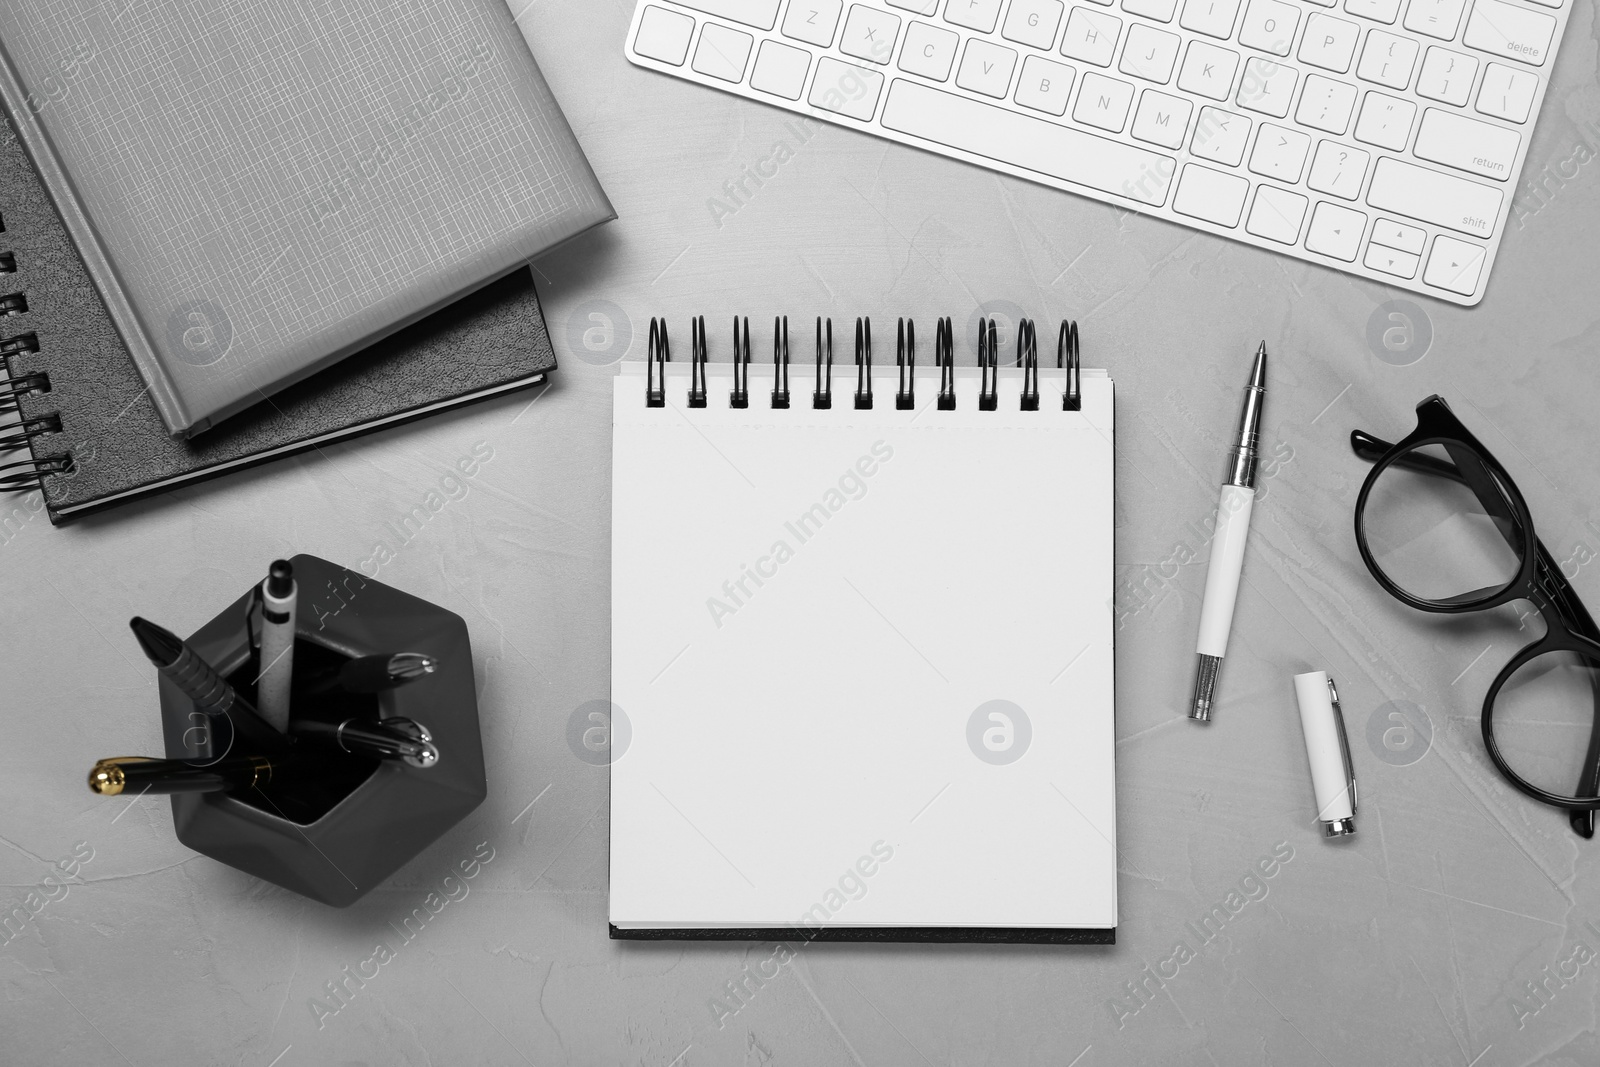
<point x="248" y="230"/>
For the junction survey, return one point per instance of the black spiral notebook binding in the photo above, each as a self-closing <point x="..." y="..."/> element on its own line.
<point x="21" y="432"/>
<point x="659" y="354"/>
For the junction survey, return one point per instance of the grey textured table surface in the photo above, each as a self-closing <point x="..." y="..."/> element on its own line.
<point x="1415" y="942"/>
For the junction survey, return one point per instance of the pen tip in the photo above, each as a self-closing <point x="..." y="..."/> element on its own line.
<point x="1258" y="373"/>
<point x="162" y="646"/>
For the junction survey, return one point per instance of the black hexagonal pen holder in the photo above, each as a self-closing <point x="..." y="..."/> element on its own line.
<point x="335" y="839"/>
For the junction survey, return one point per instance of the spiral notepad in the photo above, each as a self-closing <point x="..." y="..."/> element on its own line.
<point x="862" y="667"/>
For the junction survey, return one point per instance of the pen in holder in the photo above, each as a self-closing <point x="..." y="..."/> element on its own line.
<point x="336" y="836"/>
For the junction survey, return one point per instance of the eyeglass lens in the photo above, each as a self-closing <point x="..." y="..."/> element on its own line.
<point x="1543" y="717"/>
<point x="1433" y="536"/>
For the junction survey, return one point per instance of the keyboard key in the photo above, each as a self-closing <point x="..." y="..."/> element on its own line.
<point x="722" y="52"/>
<point x="780" y="70"/>
<point x="1338" y="169"/>
<point x="1335" y="231"/>
<point x="977" y="15"/>
<point x="1211" y="195"/>
<point x="1385" y="121"/>
<point x="1040" y="145"/>
<point x="1160" y="10"/>
<point x="1436" y="18"/>
<point x="1510" y="32"/>
<point x="1091" y="36"/>
<point x="1269" y="25"/>
<point x="1045" y="86"/>
<point x="1326" y="104"/>
<point x="929" y="50"/>
<point x="664" y="35"/>
<point x="1033" y="22"/>
<point x="1329" y="43"/>
<point x="1277" y="214"/>
<point x="1471" y="145"/>
<point x="845" y="89"/>
<point x="1507" y="93"/>
<point x="1149" y="53"/>
<point x="1208" y="70"/>
<point x="986" y="68"/>
<point x="1377" y="10"/>
<point x="758" y="13"/>
<point x="1280" y="153"/>
<point x="1431" y="196"/>
<point x="1392" y="234"/>
<point x="1103" y="102"/>
<point x="916" y="7"/>
<point x="1214" y="18"/>
<point x="1162" y="119"/>
<point x="1391" y="261"/>
<point x="1266" y="87"/>
<point x="1454" y="265"/>
<point x="812" y="21"/>
<point x="1387" y="59"/>
<point x="1220" y="136"/>
<point x="869" y="34"/>
<point x="1447" y="76"/>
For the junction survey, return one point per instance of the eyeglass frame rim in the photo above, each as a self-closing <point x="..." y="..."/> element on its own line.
<point x="1437" y="423"/>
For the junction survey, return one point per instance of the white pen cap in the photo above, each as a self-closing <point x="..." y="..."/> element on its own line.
<point x="1328" y="751"/>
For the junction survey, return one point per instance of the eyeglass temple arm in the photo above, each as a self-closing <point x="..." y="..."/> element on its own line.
<point x="1372" y="449"/>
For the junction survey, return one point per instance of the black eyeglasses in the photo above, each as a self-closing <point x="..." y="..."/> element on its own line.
<point x="1443" y="528"/>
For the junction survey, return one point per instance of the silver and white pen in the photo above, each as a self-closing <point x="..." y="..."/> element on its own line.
<point x="1227" y="543"/>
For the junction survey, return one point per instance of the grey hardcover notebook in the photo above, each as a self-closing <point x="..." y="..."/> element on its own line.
<point x="261" y="188"/>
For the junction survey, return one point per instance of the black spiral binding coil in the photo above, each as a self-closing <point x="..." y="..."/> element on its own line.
<point x="863" y="364"/>
<point x="822" y="396"/>
<point x="697" y="362"/>
<point x="740" y="396"/>
<point x="944" y="357"/>
<point x="988" y="365"/>
<point x="25" y="475"/>
<point x="28" y="429"/>
<point x="655" y="384"/>
<point x="1067" y="349"/>
<point x="905" y="359"/>
<point x="780" y="364"/>
<point x="1028" y="358"/>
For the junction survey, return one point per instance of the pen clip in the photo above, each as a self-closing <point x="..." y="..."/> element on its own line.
<point x="1344" y="744"/>
<point x="252" y="618"/>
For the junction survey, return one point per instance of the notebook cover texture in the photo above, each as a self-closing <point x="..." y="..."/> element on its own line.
<point x="261" y="188"/>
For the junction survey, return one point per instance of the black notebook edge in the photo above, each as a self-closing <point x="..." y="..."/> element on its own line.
<point x="885" y="935"/>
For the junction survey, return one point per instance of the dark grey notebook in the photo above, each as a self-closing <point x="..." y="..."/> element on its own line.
<point x="95" y="437"/>
<point x="260" y="189"/>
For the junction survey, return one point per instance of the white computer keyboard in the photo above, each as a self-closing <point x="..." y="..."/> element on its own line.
<point x="1379" y="137"/>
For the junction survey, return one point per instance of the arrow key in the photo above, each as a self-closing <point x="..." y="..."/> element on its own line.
<point x="1392" y="261"/>
<point x="1336" y="231"/>
<point x="1454" y="265"/>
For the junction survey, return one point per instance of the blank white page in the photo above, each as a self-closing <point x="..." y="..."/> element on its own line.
<point x="808" y="609"/>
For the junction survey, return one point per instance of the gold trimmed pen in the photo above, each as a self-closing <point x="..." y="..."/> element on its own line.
<point x="139" y="774"/>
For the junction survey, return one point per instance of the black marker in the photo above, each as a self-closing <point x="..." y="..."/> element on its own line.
<point x="200" y="682"/>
